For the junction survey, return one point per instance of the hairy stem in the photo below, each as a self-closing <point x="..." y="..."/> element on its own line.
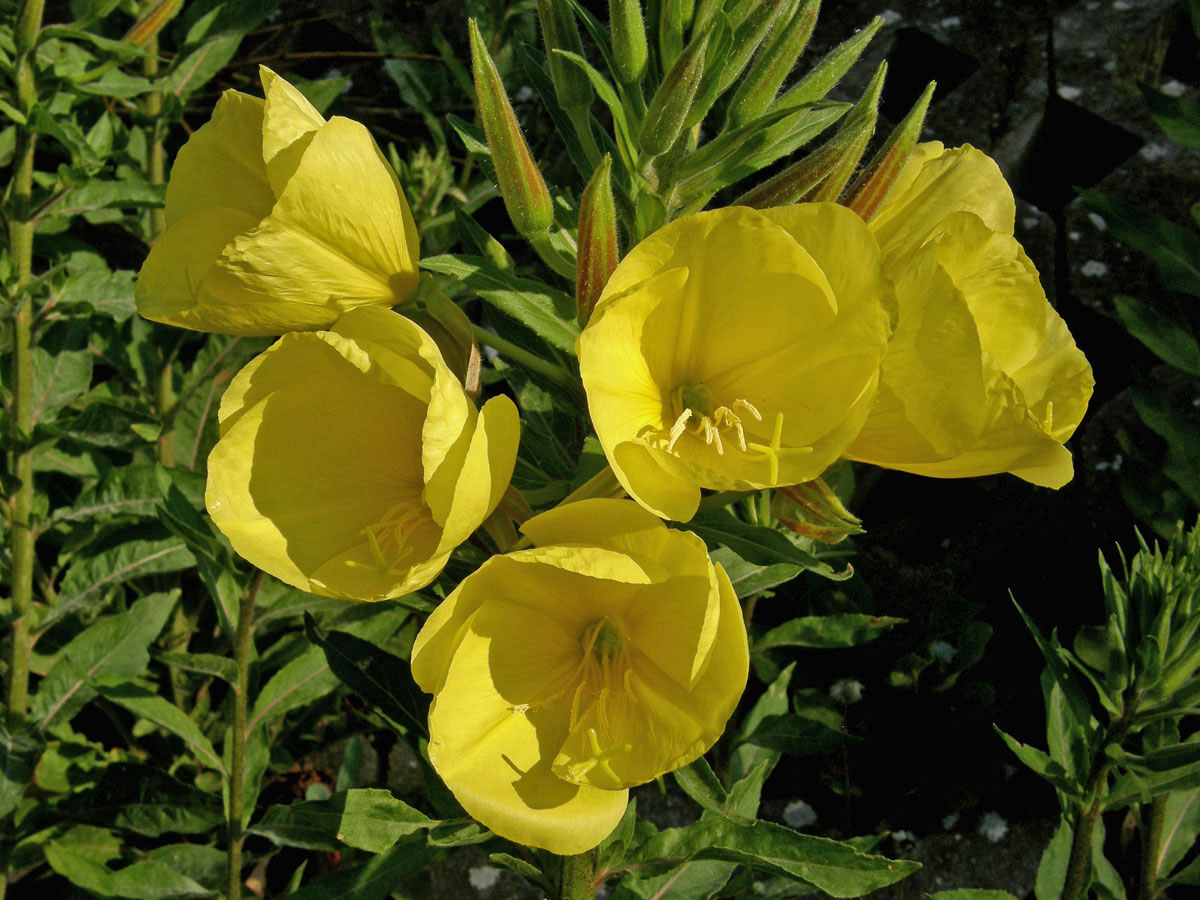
<point x="243" y="646"/>
<point x="1151" y="848"/>
<point x="554" y="373"/>
<point x="578" y="880"/>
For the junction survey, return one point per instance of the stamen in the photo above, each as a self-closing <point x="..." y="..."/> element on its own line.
<point x="1048" y="422"/>
<point x="679" y="427"/>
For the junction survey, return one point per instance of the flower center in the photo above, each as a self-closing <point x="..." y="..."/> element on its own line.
<point x="389" y="537"/>
<point x="604" y="675"/>
<point x="694" y="404"/>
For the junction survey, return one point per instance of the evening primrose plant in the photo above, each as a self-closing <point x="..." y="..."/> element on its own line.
<point x="524" y="491"/>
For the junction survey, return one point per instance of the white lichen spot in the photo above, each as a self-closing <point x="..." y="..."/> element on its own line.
<point x="891" y="17"/>
<point x="949" y="821"/>
<point x="901" y="836"/>
<point x="1121" y="4"/>
<point x="524" y="94"/>
<point x="1173" y="88"/>
<point x="943" y="650"/>
<point x="1098" y="220"/>
<point x="1030" y="222"/>
<point x="1074" y="235"/>
<point x="951" y="21"/>
<point x="847" y="690"/>
<point x="1093" y="268"/>
<point x="1110" y="65"/>
<point x="1069" y="92"/>
<point x="993" y="827"/>
<point x="483" y="877"/>
<point x="1115" y="463"/>
<point x="799" y="814"/>
<point x="1153" y="152"/>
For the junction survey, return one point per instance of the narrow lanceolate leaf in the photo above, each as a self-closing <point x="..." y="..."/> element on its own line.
<point x="521" y="184"/>
<point x="598" y="254"/>
<point x="872" y="185"/>
<point x="828" y="632"/>
<point x="145" y="879"/>
<point x="19" y="753"/>
<point x="829" y="70"/>
<point x="114" y="647"/>
<point x="142" y="799"/>
<point x="669" y="108"/>
<point x="756" y="92"/>
<point x="560" y="31"/>
<point x="152" y="22"/>
<point x="369" y="819"/>
<point x="628" y="39"/>
<point x="757" y="543"/>
<point x="831" y="866"/>
<point x="146" y="704"/>
<point x="855" y="133"/>
<point x="373" y="880"/>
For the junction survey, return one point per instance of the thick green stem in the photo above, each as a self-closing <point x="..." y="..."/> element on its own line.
<point x="243" y="647"/>
<point x="551" y="255"/>
<point x="582" y="120"/>
<point x="557" y="374"/>
<point x="152" y="106"/>
<point x="1080" y="863"/>
<point x="1151" y="849"/>
<point x="578" y="877"/>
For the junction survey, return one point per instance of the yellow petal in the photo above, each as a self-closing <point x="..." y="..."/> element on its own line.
<point x="962" y="179"/>
<point x="495" y="756"/>
<point x="659" y="490"/>
<point x="340" y="235"/>
<point x="221" y="165"/>
<point x="289" y="123"/>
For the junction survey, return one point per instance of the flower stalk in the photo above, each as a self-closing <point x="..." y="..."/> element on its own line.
<point x="578" y="880"/>
<point x="242" y="650"/>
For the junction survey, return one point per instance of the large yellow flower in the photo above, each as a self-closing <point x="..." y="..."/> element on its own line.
<point x="982" y="375"/>
<point x="611" y="652"/>
<point x="278" y="221"/>
<point x="735" y="350"/>
<point x="351" y="463"/>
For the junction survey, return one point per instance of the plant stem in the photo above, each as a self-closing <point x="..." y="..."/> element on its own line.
<point x="578" y="880"/>
<point x="1151" y="848"/>
<point x="551" y="255"/>
<point x="582" y="121"/>
<point x="244" y="644"/>
<point x="555" y="373"/>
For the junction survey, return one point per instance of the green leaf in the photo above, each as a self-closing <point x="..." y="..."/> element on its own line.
<point x="101" y="291"/>
<point x="59" y="377"/>
<point x="756" y="543"/>
<point x="1041" y="764"/>
<point x="206" y="865"/>
<point x="153" y="708"/>
<point x="1174" y="250"/>
<point x="309" y="675"/>
<point x="142" y="799"/>
<point x="369" y="819"/>
<point x="748" y="578"/>
<point x="1179" y="117"/>
<point x="971" y="894"/>
<point x="548" y="313"/>
<point x="88" y="579"/>
<point x="797" y="736"/>
<point x="844" y="630"/>
<point x="19" y="754"/>
<point x="694" y="880"/>
<point x="747" y="760"/>
<point x="836" y="868"/>
<point x="132" y="491"/>
<point x="380" y="678"/>
<point x="97" y="194"/>
<point x="701" y="784"/>
<point x="104" y="425"/>
<point x="193" y="70"/>
<point x="201" y="663"/>
<point x="1134" y="787"/>
<point x="1169" y="340"/>
<point x="374" y="880"/>
<point x="145" y="879"/>
<point x="1181" y="827"/>
<point x="113" y="647"/>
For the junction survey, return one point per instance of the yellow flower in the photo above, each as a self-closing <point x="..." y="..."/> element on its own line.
<point x="735" y="350"/>
<point x="351" y="462"/>
<point x="608" y="654"/>
<point x="982" y="375"/>
<point x="278" y="221"/>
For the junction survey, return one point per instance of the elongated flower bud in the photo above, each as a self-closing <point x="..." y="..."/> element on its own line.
<point x="674" y="16"/>
<point x="672" y="101"/>
<point x="560" y="32"/>
<point x="856" y="130"/>
<point x="628" y="39"/>
<point x="750" y="33"/>
<point x="814" y="511"/>
<point x="521" y="184"/>
<point x="829" y="70"/>
<point x="823" y="173"/>
<point x="871" y="187"/>
<point x="757" y="91"/>
<point x="152" y="22"/>
<point x="598" y="255"/>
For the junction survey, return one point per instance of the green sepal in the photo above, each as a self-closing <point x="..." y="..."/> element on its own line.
<point x="829" y="71"/>
<point x="759" y="88"/>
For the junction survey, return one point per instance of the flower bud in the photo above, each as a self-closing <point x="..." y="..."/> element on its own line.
<point x="560" y="32"/>
<point x="598" y="254"/>
<point x="855" y="132"/>
<point x="152" y="22"/>
<point x="829" y="70"/>
<point x="672" y="101"/>
<point x="814" y="511"/>
<point x="628" y="39"/>
<point x="873" y="183"/>
<point x="750" y="33"/>
<point x="757" y="91"/>
<point x="521" y="184"/>
<point x="823" y="173"/>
